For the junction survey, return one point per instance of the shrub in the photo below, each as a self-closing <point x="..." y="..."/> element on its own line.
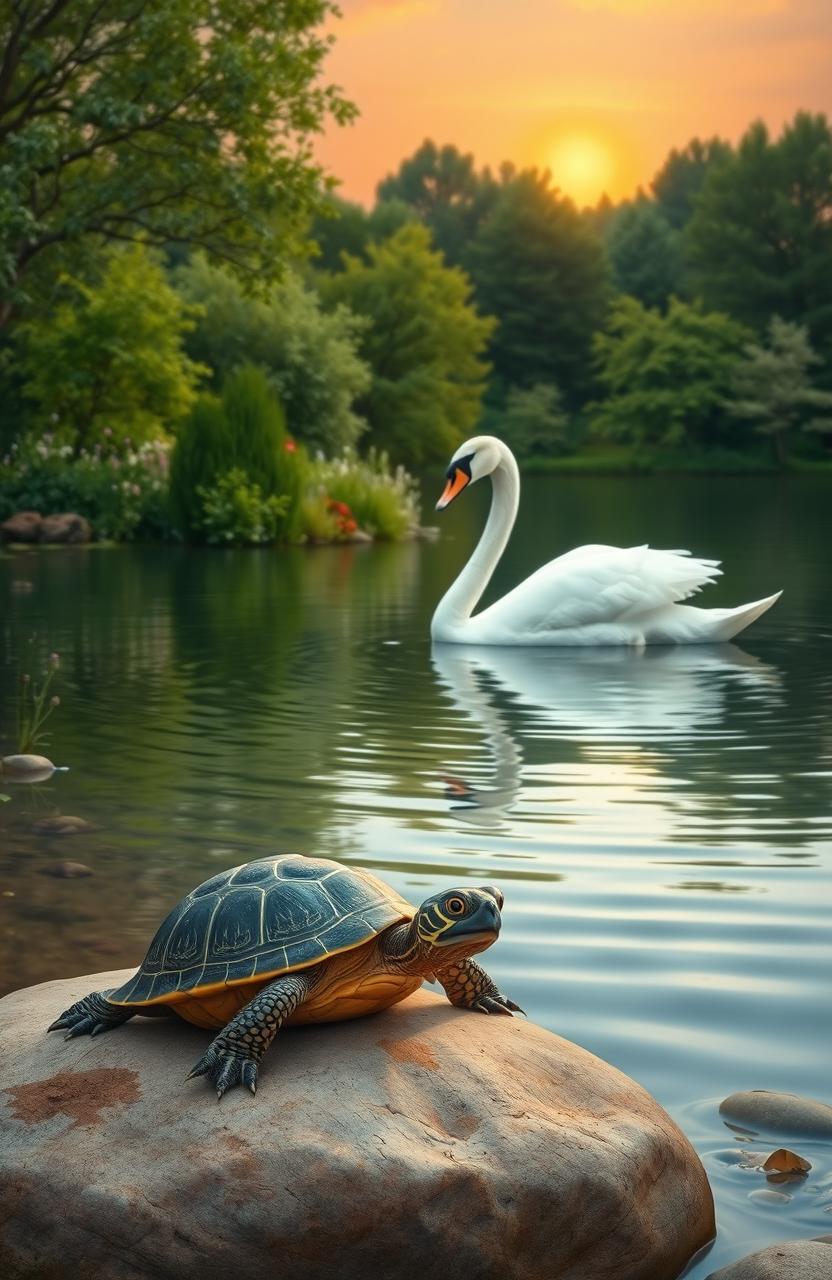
<point x="234" y="512"/>
<point x="384" y="503"/>
<point x="120" y="489"/>
<point x="204" y="449"/>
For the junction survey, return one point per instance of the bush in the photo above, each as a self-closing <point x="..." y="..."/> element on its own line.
<point x="385" y="504"/>
<point x="533" y="422"/>
<point x="120" y="489"/>
<point x="234" y="512"/>
<point x="245" y="432"/>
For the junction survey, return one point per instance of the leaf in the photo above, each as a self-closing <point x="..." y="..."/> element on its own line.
<point x="4" y="798"/>
<point x="784" y="1161"/>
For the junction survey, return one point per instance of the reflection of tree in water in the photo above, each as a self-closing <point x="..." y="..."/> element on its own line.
<point x="712" y="720"/>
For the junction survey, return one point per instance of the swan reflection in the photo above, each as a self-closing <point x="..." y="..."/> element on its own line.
<point x="646" y="709"/>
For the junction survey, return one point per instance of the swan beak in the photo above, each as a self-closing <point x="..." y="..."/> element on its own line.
<point x="454" y="486"/>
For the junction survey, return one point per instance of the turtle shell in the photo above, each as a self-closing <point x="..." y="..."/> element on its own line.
<point x="259" y="920"/>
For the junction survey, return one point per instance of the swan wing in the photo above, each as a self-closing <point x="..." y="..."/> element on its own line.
<point x="596" y="584"/>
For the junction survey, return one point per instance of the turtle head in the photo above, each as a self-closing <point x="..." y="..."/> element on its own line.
<point x="458" y="923"/>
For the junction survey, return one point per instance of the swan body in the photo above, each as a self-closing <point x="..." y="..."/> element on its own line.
<point x="594" y="595"/>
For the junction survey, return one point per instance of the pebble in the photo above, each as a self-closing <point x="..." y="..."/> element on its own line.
<point x="66" y="870"/>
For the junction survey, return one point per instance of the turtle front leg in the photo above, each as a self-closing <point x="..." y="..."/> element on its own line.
<point x="469" y="987"/>
<point x="235" y="1054"/>
<point x="91" y="1016"/>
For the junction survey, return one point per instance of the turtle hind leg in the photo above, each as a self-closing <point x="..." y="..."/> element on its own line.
<point x="91" y="1016"/>
<point x="235" y="1054"/>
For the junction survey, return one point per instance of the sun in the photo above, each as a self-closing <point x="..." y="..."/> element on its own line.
<point x="582" y="166"/>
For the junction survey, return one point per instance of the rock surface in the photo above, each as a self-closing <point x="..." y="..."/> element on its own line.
<point x="26" y="768"/>
<point x="765" y="1111"/>
<point x="23" y="526"/>
<point x="67" y="527"/>
<point x="793" y="1260"/>
<point x="426" y="1142"/>
<point x="61" y="824"/>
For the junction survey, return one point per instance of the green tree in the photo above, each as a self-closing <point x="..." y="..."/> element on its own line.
<point x="538" y="266"/>
<point x="772" y="387"/>
<point x="667" y="376"/>
<point x="187" y="121"/>
<point x="424" y="343"/>
<point x="344" y="227"/>
<point x="203" y="451"/>
<point x="447" y="193"/>
<point x="681" y="177"/>
<point x="533" y="422"/>
<point x="760" y="238"/>
<point x="645" y="253"/>
<point x="310" y="355"/>
<point x="109" y="357"/>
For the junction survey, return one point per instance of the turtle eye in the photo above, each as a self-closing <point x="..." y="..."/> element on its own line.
<point x="455" y="906"/>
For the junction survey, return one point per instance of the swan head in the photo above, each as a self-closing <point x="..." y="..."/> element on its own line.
<point x="478" y="457"/>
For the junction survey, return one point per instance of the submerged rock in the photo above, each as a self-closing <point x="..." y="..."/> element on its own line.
<point x="66" y="870"/>
<point x="792" y="1260"/>
<point x="61" y="824"/>
<point x="426" y="1142"/>
<point x="766" y="1111"/>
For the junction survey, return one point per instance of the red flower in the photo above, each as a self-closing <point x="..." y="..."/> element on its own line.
<point x="290" y="446"/>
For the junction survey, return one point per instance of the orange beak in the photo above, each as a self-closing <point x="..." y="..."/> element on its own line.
<point x="454" y="486"/>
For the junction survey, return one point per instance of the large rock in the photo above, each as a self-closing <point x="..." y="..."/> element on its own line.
<point x="793" y="1260"/>
<point x="67" y="527"/>
<point x="427" y="1143"/>
<point x="23" y="526"/>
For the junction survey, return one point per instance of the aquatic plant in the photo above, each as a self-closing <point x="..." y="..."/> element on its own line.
<point x="35" y="706"/>
<point x="382" y="502"/>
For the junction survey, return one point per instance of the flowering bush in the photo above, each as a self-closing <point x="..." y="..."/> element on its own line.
<point x="364" y="493"/>
<point x="235" y="513"/>
<point x="122" y="490"/>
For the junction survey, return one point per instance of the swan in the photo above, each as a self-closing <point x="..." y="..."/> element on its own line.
<point x="594" y="595"/>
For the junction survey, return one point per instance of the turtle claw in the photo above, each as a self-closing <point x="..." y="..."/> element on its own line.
<point x="497" y="1003"/>
<point x="89" y="1017"/>
<point x="224" y="1070"/>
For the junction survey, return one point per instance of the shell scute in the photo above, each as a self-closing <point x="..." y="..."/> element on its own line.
<point x="265" y="918"/>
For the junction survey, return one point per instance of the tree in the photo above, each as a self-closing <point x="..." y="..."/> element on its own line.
<point x="760" y="239"/>
<point x="645" y="253"/>
<point x="175" y="122"/>
<point x="771" y="387"/>
<point x="344" y="227"/>
<point x="109" y="357"/>
<point x="667" y="376"/>
<point x="311" y="356"/>
<point x="533" y="422"/>
<point x="443" y="187"/>
<point x="423" y="341"/>
<point x="538" y="266"/>
<point x="680" y="179"/>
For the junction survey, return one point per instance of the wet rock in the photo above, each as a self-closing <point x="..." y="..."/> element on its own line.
<point x="792" y="1260"/>
<point x="427" y="1143"/>
<point x="68" y="527"/>
<point x="26" y="768"/>
<point x="61" y="824"/>
<point x="66" y="870"/>
<point x="24" y="526"/>
<point x="765" y="1111"/>
<point x="358" y="535"/>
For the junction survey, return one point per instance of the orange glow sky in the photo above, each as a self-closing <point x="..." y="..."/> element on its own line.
<point x="597" y="90"/>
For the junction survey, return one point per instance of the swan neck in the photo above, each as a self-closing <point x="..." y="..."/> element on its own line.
<point x="461" y="599"/>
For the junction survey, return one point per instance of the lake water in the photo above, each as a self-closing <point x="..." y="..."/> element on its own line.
<point x="660" y="822"/>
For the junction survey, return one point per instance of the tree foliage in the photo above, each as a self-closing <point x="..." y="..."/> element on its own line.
<point x="666" y="376"/>
<point x="310" y="355"/>
<point x="443" y="187"/>
<point x="645" y="253"/>
<point x="681" y="177"/>
<point x="761" y="235"/>
<point x="159" y="120"/>
<point x="538" y="266"/>
<point x="424" y="343"/>
<point x="533" y="422"/>
<point x="347" y="228"/>
<point x="772" y="387"/>
<point x="109" y="357"/>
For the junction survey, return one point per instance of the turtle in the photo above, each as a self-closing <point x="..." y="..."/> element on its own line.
<point x="294" y="939"/>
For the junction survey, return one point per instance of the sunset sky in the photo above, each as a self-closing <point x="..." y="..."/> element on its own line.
<point x="597" y="90"/>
